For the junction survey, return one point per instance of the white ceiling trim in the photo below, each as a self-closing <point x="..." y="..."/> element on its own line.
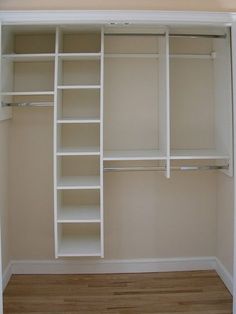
<point x="116" y="16"/>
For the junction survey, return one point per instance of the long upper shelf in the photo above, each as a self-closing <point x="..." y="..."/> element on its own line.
<point x="123" y="155"/>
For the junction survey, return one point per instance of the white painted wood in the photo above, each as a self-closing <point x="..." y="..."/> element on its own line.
<point x="79" y="56"/>
<point x="101" y="145"/>
<point x="84" y="266"/>
<point x="5" y="77"/>
<point x="120" y="17"/>
<point x="84" y="120"/>
<point x="79" y="182"/>
<point x="157" y="55"/>
<point x="134" y="155"/>
<point x="224" y="275"/>
<point x="6" y="275"/>
<point x="80" y="151"/>
<point x="34" y="93"/>
<point x="223" y="99"/>
<point x="29" y="57"/>
<point x="184" y="154"/>
<point x="78" y="86"/>
<point x="56" y="162"/>
<point x="233" y="43"/>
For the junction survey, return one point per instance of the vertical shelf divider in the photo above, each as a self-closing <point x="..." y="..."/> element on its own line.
<point x="167" y="52"/>
<point x="164" y="99"/>
<point x="55" y="141"/>
<point x="101" y="143"/>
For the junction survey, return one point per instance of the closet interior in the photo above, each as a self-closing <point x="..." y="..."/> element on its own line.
<point x="139" y="114"/>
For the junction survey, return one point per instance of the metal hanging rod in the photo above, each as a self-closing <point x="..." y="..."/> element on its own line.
<point x="170" y="35"/>
<point x="163" y="168"/>
<point x="28" y="104"/>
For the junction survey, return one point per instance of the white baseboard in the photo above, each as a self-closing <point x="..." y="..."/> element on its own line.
<point x="6" y="276"/>
<point x="117" y="266"/>
<point x="225" y="276"/>
<point x="112" y="266"/>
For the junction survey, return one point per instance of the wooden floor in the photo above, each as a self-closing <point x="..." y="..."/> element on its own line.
<point x="177" y="292"/>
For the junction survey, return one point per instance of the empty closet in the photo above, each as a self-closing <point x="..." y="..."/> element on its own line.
<point x="120" y="142"/>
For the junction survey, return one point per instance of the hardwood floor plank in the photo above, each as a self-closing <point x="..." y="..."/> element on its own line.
<point x="147" y="293"/>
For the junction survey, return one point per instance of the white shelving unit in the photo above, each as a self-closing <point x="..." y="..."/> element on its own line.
<point x="78" y="134"/>
<point x="150" y="117"/>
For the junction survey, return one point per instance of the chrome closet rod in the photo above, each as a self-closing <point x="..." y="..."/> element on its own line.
<point x="28" y="104"/>
<point x="170" y="35"/>
<point x="162" y="168"/>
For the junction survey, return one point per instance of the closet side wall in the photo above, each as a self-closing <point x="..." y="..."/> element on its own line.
<point x="4" y="206"/>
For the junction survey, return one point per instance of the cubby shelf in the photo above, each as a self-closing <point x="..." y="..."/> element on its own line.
<point x="79" y="214"/>
<point x="79" y="182"/>
<point x="197" y="154"/>
<point x="133" y="155"/>
<point x="84" y="120"/>
<point x="78" y="86"/>
<point x="79" y="56"/>
<point x="34" y="93"/>
<point x="73" y="151"/>
<point x="31" y="57"/>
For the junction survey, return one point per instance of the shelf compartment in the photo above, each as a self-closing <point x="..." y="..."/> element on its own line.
<point x="28" y="78"/>
<point x="78" y="206"/>
<point x="79" y="214"/>
<point x="81" y="41"/>
<point x="41" y="41"/>
<point x="79" y="104"/>
<point x="79" y="240"/>
<point x="133" y="155"/>
<point x="83" y="137"/>
<point x="78" y="172"/>
<point x="80" y="73"/>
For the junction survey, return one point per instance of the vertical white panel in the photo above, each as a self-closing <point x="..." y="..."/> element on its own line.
<point x="234" y="123"/>
<point x="223" y="99"/>
<point x="5" y="113"/>
<point x="101" y="143"/>
<point x="164" y="99"/>
<point x="55" y="142"/>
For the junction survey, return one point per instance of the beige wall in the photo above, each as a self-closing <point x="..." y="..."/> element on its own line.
<point x="4" y="208"/>
<point x="206" y="5"/>
<point x="31" y="182"/>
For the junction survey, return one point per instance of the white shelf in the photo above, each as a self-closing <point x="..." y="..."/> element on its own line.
<point x="82" y="151"/>
<point x="78" y="86"/>
<point x="38" y="93"/>
<point x="79" y="245"/>
<point x="134" y="155"/>
<point x="84" y="120"/>
<point x="79" y="56"/>
<point x="78" y="182"/>
<point x="197" y="154"/>
<point x="30" y="57"/>
<point x="79" y="214"/>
